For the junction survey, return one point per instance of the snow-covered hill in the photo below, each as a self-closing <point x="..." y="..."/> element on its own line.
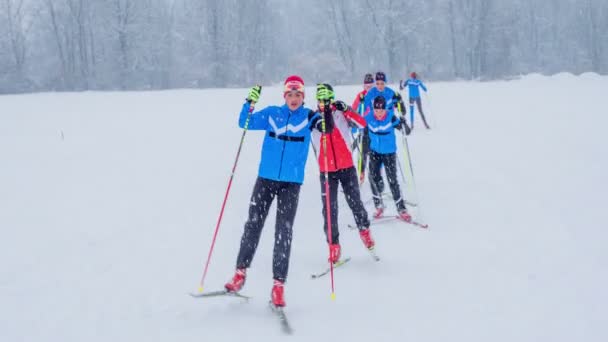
<point x="108" y="203"/>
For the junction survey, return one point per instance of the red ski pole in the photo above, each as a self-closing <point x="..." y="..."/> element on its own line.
<point x="219" y="219"/>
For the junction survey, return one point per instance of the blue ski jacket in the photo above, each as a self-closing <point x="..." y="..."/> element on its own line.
<point x="389" y="96"/>
<point x="413" y="85"/>
<point x="285" y="147"/>
<point x="382" y="137"/>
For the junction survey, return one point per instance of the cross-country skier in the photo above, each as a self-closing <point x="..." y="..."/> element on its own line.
<point x="383" y="151"/>
<point x="281" y="172"/>
<point x="393" y="100"/>
<point x="413" y="84"/>
<point x="340" y="167"/>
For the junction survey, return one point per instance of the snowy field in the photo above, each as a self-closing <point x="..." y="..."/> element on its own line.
<point x="108" y="203"/>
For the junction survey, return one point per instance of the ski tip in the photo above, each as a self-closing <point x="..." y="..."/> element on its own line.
<point x="333" y="296"/>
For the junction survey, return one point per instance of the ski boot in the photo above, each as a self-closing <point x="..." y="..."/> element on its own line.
<point x="277" y="295"/>
<point x="379" y="212"/>
<point x="237" y="282"/>
<point x="366" y="237"/>
<point x="334" y="253"/>
<point x="405" y="216"/>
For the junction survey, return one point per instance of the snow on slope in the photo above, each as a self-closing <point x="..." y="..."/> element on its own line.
<point x="108" y="203"/>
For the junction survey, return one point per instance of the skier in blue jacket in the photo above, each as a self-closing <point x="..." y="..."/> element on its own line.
<point x="413" y="84"/>
<point x="381" y="124"/>
<point x="281" y="172"/>
<point x="393" y="100"/>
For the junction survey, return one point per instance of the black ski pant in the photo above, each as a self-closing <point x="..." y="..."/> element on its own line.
<point x="419" y="104"/>
<point x="350" y="184"/>
<point x="376" y="160"/>
<point x="264" y="192"/>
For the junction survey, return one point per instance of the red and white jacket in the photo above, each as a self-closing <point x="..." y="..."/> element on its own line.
<point x="339" y="141"/>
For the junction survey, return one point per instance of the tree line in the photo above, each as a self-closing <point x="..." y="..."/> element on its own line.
<point x="74" y="45"/>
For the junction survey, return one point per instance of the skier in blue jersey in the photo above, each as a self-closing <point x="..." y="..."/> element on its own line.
<point x="393" y="101"/>
<point x="381" y="123"/>
<point x="287" y="132"/>
<point x="413" y="84"/>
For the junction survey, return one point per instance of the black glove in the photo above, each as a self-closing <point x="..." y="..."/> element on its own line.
<point x="341" y="106"/>
<point x="400" y="84"/>
<point x="325" y="117"/>
<point x="328" y="119"/>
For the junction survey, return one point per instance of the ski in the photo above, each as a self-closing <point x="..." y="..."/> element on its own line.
<point x="372" y="252"/>
<point x="280" y="313"/>
<point x="336" y="265"/>
<point x="387" y="196"/>
<point x="385" y="219"/>
<point x="415" y="223"/>
<point x="375" y="221"/>
<point x="219" y="293"/>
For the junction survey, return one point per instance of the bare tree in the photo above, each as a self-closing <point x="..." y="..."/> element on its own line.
<point x="17" y="28"/>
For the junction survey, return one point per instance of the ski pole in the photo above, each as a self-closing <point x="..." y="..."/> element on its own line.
<point x="427" y="99"/>
<point x="402" y="174"/>
<point x="219" y="219"/>
<point x="361" y="111"/>
<point x="409" y="161"/>
<point x="327" y="199"/>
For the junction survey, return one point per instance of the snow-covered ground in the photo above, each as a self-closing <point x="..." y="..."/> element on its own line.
<point x="108" y="203"/>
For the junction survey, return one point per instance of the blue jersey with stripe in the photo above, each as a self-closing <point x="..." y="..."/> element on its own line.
<point x="382" y="137"/>
<point x="413" y="85"/>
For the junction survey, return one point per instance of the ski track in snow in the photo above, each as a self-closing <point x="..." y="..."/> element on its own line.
<point x="108" y="203"/>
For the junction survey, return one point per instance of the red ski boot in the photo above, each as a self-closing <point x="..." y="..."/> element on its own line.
<point x="334" y="253"/>
<point x="237" y="282"/>
<point x="277" y="294"/>
<point x="403" y="214"/>
<point x="379" y="213"/>
<point x="366" y="237"/>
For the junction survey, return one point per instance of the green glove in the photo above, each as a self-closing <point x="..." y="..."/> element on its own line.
<point x="254" y="94"/>
<point x="325" y="92"/>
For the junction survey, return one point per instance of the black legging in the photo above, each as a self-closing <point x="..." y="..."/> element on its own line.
<point x="350" y="184"/>
<point x="419" y="104"/>
<point x="264" y="192"/>
<point x="376" y="160"/>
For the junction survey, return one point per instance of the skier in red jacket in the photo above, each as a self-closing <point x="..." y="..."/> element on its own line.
<point x="340" y="167"/>
<point x="368" y="83"/>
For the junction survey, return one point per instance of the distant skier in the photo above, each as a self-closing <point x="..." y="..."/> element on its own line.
<point x="340" y="167"/>
<point x="281" y="172"/>
<point x="363" y="138"/>
<point x="359" y="102"/>
<point x="383" y="151"/>
<point x="413" y="84"/>
<point x="393" y="98"/>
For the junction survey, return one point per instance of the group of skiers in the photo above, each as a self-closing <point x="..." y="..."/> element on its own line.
<point x="289" y="129"/>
